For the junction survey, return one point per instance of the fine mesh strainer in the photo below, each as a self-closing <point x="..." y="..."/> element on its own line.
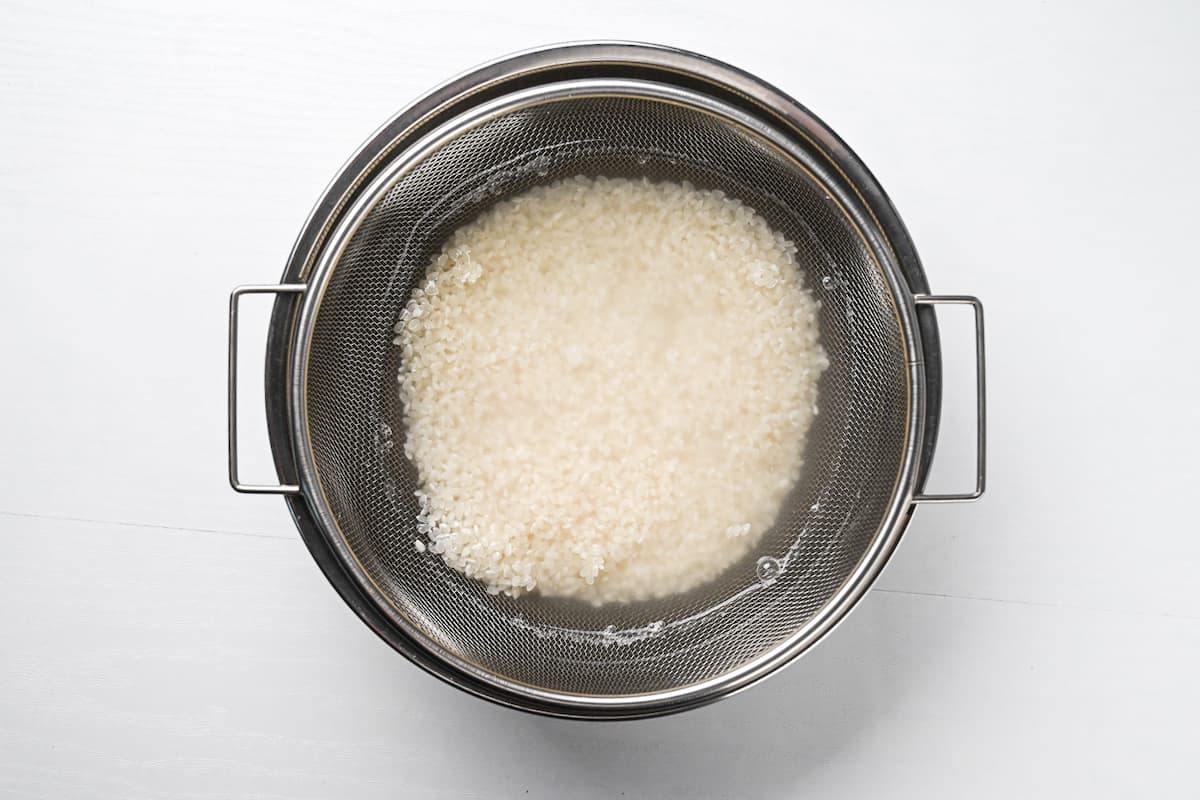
<point x="602" y="109"/>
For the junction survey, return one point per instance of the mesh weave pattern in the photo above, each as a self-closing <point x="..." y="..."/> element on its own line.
<point x="854" y="452"/>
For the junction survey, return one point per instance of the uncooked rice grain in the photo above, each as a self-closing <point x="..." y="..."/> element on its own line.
<point x="607" y="385"/>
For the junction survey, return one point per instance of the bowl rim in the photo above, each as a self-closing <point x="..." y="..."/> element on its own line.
<point x="488" y="90"/>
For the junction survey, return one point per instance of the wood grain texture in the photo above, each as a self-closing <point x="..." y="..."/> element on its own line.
<point x="161" y="664"/>
<point x="162" y="637"/>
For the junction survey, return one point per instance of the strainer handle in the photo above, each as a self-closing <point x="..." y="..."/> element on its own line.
<point x="234" y="297"/>
<point x="980" y="399"/>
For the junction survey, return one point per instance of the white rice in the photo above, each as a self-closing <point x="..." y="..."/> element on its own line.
<point x="607" y="385"/>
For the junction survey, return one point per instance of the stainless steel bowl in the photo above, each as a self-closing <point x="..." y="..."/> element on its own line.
<point x="604" y="109"/>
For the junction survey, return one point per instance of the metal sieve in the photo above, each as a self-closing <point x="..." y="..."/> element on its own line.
<point x="604" y="109"/>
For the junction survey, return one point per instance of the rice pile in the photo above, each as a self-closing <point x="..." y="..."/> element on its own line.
<point x="607" y="385"/>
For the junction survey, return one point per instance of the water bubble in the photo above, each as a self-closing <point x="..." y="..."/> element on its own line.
<point x="830" y="282"/>
<point x="768" y="569"/>
<point x="643" y="160"/>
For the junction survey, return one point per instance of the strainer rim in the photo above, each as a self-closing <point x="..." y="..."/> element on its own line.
<point x="900" y="502"/>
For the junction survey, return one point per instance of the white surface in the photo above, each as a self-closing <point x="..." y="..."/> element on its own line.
<point x="162" y="637"/>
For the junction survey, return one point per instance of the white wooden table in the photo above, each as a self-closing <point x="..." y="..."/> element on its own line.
<point x="161" y="637"/>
